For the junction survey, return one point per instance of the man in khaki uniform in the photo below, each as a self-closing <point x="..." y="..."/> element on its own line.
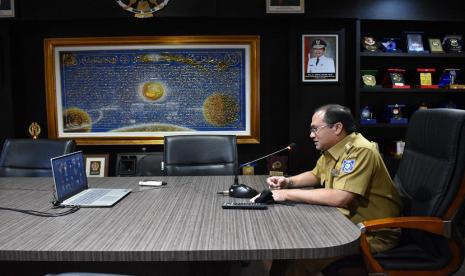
<point x="353" y="178"/>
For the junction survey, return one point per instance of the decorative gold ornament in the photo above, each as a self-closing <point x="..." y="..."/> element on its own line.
<point x="144" y="8"/>
<point x="34" y="130"/>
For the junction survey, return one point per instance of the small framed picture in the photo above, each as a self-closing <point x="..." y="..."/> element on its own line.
<point x="7" y="8"/>
<point x="415" y="43"/>
<point x="320" y="57"/>
<point x="96" y="165"/>
<point x="435" y="45"/>
<point x="285" y="6"/>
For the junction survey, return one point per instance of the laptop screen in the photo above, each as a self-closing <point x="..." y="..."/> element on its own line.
<point x="69" y="175"/>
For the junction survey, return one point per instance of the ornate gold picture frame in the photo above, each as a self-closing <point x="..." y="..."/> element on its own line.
<point x="136" y="90"/>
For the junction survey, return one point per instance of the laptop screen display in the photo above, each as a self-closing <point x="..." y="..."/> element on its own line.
<point x="69" y="175"/>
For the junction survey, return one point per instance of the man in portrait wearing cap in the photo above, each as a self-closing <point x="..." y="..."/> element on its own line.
<point x="318" y="62"/>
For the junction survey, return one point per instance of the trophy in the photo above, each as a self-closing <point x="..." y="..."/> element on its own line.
<point x="390" y="44"/>
<point x="415" y="43"/>
<point x="449" y="79"/>
<point x="435" y="45"/>
<point x="366" y="117"/>
<point x="277" y="165"/>
<point x="396" y="114"/>
<point x="370" y="44"/>
<point x="426" y="79"/>
<point x="34" y="130"/>
<point x="368" y="78"/>
<point x="394" y="78"/>
<point x="452" y="43"/>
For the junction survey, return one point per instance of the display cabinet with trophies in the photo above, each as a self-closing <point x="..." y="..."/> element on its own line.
<point x="402" y="66"/>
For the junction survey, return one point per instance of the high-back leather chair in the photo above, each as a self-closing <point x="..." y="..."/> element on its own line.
<point x="200" y="155"/>
<point x="28" y="157"/>
<point x="431" y="182"/>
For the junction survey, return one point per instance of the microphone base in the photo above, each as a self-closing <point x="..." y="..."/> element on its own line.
<point x="242" y="191"/>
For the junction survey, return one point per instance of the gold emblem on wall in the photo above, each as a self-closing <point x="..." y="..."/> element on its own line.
<point x="142" y="8"/>
<point x="34" y="130"/>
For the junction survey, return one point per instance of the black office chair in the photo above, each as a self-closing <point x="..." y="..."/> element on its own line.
<point x="28" y="157"/>
<point x="85" y="274"/>
<point x="431" y="182"/>
<point x="200" y="155"/>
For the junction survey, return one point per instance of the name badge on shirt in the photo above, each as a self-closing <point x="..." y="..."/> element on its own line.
<point x="348" y="166"/>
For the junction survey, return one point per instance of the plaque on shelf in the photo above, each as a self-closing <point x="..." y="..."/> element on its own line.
<point x="396" y="114"/>
<point x="435" y="45"/>
<point x="390" y="44"/>
<point x="426" y="77"/>
<point x="370" y="44"/>
<point x="448" y="78"/>
<point x="368" y="77"/>
<point x="452" y="43"/>
<point x="395" y="78"/>
<point x="415" y="43"/>
<point x="366" y="116"/>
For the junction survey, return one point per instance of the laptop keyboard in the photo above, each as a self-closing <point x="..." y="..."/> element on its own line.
<point x="91" y="196"/>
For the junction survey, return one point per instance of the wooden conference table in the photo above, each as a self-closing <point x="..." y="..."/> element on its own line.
<point x="182" y="221"/>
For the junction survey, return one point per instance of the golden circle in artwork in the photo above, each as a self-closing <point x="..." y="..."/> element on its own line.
<point x="153" y="91"/>
<point x="76" y="120"/>
<point x="220" y="109"/>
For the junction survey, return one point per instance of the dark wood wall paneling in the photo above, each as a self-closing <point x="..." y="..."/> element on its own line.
<point x="286" y="102"/>
<point x="6" y="117"/>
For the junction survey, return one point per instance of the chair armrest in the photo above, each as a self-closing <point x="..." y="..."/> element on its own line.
<point x="429" y="224"/>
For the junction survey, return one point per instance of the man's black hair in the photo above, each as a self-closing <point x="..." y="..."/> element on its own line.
<point x="335" y="113"/>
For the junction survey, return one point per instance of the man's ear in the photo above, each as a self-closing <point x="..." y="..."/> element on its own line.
<point x="339" y="128"/>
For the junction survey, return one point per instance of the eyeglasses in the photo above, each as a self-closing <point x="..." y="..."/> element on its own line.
<point x="315" y="130"/>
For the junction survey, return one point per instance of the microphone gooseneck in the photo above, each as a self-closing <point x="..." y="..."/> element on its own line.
<point x="290" y="147"/>
<point x="244" y="191"/>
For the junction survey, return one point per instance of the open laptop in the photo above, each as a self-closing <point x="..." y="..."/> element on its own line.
<point x="71" y="187"/>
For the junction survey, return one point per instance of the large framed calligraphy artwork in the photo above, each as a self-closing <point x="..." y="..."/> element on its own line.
<point x="136" y="90"/>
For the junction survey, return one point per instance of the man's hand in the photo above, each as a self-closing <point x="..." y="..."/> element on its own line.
<point x="278" y="195"/>
<point x="277" y="182"/>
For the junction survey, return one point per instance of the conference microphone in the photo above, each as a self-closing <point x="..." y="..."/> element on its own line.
<point x="290" y="147"/>
<point x="242" y="190"/>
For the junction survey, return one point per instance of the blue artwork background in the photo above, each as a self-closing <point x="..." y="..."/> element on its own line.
<point x="107" y="85"/>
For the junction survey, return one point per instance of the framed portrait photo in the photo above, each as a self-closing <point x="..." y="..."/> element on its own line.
<point x="285" y="6"/>
<point x="7" y="8"/>
<point x="96" y="165"/>
<point x="320" y="57"/>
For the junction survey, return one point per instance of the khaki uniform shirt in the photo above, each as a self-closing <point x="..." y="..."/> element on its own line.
<point x="355" y="165"/>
